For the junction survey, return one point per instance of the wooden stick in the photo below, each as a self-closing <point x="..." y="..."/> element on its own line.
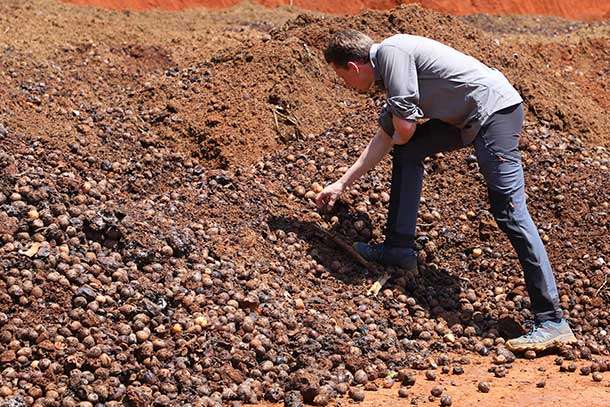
<point x="350" y="250"/>
<point x="377" y="285"/>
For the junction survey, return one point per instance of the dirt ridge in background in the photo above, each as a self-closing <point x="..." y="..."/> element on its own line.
<point x="586" y="10"/>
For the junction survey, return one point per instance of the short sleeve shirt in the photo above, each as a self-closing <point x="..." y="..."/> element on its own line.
<point x="426" y="79"/>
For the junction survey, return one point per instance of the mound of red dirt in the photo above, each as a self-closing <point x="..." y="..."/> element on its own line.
<point x="586" y="9"/>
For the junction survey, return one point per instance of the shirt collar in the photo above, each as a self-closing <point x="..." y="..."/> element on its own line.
<point x="373" y="58"/>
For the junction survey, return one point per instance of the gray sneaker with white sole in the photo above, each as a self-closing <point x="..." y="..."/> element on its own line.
<point x="543" y="335"/>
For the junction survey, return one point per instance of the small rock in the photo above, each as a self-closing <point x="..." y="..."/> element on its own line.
<point x="597" y="377"/>
<point x="541" y="384"/>
<point x="403" y="392"/>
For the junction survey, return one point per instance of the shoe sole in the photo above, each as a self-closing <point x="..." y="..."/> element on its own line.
<point x="565" y="339"/>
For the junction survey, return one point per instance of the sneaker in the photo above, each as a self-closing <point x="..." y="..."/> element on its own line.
<point x="543" y="335"/>
<point x="387" y="256"/>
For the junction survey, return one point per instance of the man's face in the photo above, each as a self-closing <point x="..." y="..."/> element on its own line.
<point x="356" y="76"/>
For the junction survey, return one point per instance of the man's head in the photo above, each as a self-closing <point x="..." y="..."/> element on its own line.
<point x="348" y="53"/>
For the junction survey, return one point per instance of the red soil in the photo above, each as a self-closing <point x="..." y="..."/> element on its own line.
<point x="586" y="10"/>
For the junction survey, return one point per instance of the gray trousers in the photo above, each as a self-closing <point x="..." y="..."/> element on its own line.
<point x="497" y="152"/>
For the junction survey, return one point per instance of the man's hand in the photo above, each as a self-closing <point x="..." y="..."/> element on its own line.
<point x="329" y="195"/>
<point x="379" y="146"/>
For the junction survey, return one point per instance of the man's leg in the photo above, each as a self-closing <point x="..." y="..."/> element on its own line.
<point x="432" y="137"/>
<point x="499" y="159"/>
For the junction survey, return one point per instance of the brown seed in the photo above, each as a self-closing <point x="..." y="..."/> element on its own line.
<point x="458" y="370"/>
<point x="356" y="393"/>
<point x="500" y="372"/>
<point x="388" y="382"/>
<point x="484" y="387"/>
<point x="371" y="386"/>
<point x="341" y="388"/>
<point x="446" y="400"/>
<point x="530" y="354"/>
<point x="361" y="377"/>
<point x="321" y="399"/>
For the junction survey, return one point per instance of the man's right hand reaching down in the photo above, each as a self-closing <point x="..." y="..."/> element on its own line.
<point x="329" y="195"/>
<point x="379" y="146"/>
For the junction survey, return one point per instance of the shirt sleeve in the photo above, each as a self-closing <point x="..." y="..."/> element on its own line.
<point x="385" y="121"/>
<point x="399" y="73"/>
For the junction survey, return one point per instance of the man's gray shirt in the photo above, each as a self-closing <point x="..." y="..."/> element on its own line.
<point x="424" y="78"/>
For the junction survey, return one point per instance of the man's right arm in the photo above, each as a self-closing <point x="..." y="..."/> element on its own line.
<point x="377" y="148"/>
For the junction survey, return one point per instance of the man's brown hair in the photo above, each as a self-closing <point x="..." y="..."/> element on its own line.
<point x="348" y="46"/>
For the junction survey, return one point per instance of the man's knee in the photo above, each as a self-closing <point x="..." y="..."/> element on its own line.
<point x="405" y="154"/>
<point x="501" y="209"/>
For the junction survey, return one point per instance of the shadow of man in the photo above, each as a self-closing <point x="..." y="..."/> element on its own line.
<point x="433" y="292"/>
